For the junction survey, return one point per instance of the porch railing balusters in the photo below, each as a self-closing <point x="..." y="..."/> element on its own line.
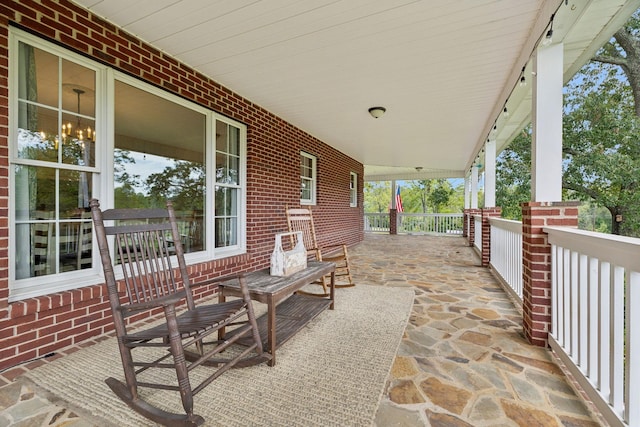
<point x="506" y="253"/>
<point x="409" y="223"/>
<point x="595" y="316"/>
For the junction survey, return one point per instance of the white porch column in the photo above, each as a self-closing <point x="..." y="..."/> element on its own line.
<point x="467" y="188"/>
<point x="546" y="149"/>
<point x="490" y="174"/>
<point x="474" y="187"/>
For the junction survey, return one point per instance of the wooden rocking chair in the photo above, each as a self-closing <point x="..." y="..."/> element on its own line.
<point x="147" y="246"/>
<point x="301" y="219"/>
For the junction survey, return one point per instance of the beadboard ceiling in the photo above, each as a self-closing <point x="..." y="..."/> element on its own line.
<point x="443" y="69"/>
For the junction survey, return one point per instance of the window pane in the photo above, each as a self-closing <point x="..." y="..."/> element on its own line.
<point x="227" y="151"/>
<point x="38" y="72"/>
<point x="75" y="244"/>
<point x="160" y="156"/>
<point x="226" y="203"/>
<point x="234" y="141"/>
<point x="80" y="96"/>
<point x="78" y="141"/>
<point x="75" y="194"/>
<point x="35" y="191"/>
<point x="306" y="190"/>
<point x="37" y="133"/>
<point x="226" y="234"/>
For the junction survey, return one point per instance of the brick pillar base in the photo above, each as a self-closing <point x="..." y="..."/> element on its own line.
<point x="465" y="223"/>
<point x="536" y="264"/>
<point x="393" y="221"/>
<point x="486" y="232"/>
<point x="471" y="223"/>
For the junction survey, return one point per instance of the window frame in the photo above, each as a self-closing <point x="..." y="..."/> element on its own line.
<point x="313" y="180"/>
<point x="102" y="183"/>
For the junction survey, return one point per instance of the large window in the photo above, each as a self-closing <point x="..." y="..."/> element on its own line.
<point x="160" y="155"/>
<point x="53" y="165"/>
<point x="78" y="131"/>
<point x="307" y="179"/>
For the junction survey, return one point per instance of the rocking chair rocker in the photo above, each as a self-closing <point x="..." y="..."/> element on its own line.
<point x="146" y="243"/>
<point x="301" y="219"/>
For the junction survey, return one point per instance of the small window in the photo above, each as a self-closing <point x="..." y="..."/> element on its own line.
<point x="353" y="190"/>
<point x="307" y="179"/>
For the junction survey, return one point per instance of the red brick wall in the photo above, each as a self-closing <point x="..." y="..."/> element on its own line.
<point x="471" y="224"/>
<point x="37" y="326"/>
<point x="536" y="264"/>
<point x="486" y="232"/>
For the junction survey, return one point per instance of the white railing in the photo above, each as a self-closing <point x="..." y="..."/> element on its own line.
<point x="430" y="223"/>
<point x="596" y="317"/>
<point x="477" y="238"/>
<point x="376" y="222"/>
<point x="506" y="253"/>
<point x="415" y="223"/>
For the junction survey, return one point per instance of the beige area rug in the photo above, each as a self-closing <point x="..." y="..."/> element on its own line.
<point x="332" y="372"/>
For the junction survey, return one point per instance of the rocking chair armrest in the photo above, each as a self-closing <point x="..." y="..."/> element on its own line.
<point x="157" y="302"/>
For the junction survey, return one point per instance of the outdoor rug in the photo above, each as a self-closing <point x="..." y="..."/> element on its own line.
<point x="332" y="372"/>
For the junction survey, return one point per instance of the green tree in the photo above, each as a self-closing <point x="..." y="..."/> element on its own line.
<point x="183" y="183"/>
<point x="623" y="51"/>
<point x="377" y="196"/>
<point x="513" y="176"/>
<point x="601" y="136"/>
<point x="125" y="193"/>
<point x="440" y="194"/>
<point x="600" y="146"/>
<point x="418" y="194"/>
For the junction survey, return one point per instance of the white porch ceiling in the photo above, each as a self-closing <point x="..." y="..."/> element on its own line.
<point x="443" y="69"/>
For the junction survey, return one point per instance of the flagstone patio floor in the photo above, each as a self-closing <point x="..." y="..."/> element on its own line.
<point x="463" y="360"/>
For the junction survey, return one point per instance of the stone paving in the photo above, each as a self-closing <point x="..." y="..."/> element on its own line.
<point x="463" y="360"/>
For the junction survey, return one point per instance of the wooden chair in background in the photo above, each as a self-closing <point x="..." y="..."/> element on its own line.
<point x="42" y="244"/>
<point x="147" y="246"/>
<point x="301" y="219"/>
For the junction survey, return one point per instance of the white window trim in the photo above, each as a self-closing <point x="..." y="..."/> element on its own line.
<point x="313" y="180"/>
<point x="103" y="186"/>
<point x="353" y="191"/>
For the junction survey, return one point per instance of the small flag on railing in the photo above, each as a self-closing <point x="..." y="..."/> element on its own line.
<point x="399" y="201"/>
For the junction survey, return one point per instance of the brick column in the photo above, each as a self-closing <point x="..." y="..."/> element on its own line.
<point x="486" y="232"/>
<point x="393" y="221"/>
<point x="465" y="223"/>
<point x="536" y="264"/>
<point x="472" y="224"/>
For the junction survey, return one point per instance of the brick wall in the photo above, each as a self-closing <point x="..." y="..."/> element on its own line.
<point x="536" y="264"/>
<point x="37" y="326"/>
<point x="486" y="232"/>
<point x="471" y="224"/>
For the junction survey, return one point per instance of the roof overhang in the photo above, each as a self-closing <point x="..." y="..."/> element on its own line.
<point x="443" y="70"/>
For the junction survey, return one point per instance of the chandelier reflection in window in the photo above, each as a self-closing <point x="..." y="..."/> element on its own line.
<point x="87" y="134"/>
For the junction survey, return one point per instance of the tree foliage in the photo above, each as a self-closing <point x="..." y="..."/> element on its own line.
<point x="377" y="196"/>
<point x="513" y="176"/>
<point x="601" y="149"/>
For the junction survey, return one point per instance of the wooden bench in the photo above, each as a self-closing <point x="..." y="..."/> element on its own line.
<point x="287" y="312"/>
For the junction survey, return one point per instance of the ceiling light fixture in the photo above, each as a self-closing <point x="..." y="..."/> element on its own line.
<point x="506" y="112"/>
<point x="377" y="112"/>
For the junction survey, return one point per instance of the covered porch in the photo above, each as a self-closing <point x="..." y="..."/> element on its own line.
<point x="463" y="359"/>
